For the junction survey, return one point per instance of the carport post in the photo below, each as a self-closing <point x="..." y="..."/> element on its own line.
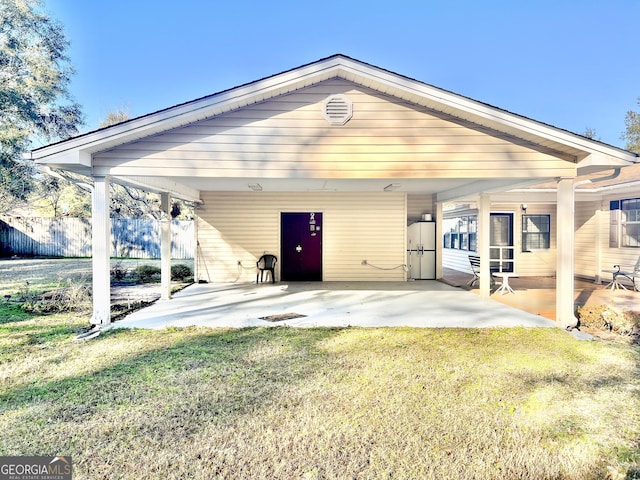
<point x="439" y="234"/>
<point x="101" y="251"/>
<point x="165" y="247"/>
<point x="565" y="317"/>
<point x="484" y="242"/>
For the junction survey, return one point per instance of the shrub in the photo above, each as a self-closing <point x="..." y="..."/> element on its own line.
<point x="181" y="273"/>
<point x="605" y="317"/>
<point x="119" y="272"/>
<point x="69" y="297"/>
<point x="147" y="274"/>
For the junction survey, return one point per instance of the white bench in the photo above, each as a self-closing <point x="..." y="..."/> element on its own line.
<point x="629" y="273"/>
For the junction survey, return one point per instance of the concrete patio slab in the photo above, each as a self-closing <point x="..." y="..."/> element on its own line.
<point x="331" y="304"/>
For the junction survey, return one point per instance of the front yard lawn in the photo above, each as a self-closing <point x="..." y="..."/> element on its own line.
<point x="319" y="403"/>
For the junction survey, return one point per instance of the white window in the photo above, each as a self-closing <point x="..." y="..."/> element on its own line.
<point x="630" y="222"/>
<point x="461" y="233"/>
<point x="536" y="232"/>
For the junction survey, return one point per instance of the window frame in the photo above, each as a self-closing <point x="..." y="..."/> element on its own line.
<point x="462" y="233"/>
<point x="625" y="222"/>
<point x="526" y="234"/>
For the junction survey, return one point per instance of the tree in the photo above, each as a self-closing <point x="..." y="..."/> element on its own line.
<point x="67" y="193"/>
<point x="591" y="133"/>
<point x="115" y="117"/>
<point x="632" y="133"/>
<point x="61" y="194"/>
<point x="35" y="72"/>
<point x="130" y="202"/>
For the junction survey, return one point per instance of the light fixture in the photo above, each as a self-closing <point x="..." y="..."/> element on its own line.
<point x="524" y="208"/>
<point x="256" y="187"/>
<point x="391" y="187"/>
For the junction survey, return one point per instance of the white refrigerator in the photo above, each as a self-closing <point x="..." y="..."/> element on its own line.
<point x="421" y="251"/>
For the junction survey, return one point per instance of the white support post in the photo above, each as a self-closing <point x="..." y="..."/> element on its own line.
<point x="101" y="251"/>
<point x="484" y="242"/>
<point x="439" y="235"/>
<point x="165" y="247"/>
<point x="196" y="253"/>
<point x="598" y="246"/>
<point x="565" y="317"/>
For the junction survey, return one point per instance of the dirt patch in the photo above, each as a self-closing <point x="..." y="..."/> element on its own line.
<point x="282" y="316"/>
<point x="122" y="294"/>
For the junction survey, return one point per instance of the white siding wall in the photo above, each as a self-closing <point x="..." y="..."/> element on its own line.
<point x="586" y="238"/>
<point x="624" y="256"/>
<point x="592" y="234"/>
<point x="289" y="136"/>
<point x="527" y="264"/>
<point x="236" y="227"/>
<point x="539" y="262"/>
<point x="456" y="260"/>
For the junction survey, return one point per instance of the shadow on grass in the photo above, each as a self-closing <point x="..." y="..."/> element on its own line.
<point x="178" y="368"/>
<point x="163" y="389"/>
<point x="19" y="329"/>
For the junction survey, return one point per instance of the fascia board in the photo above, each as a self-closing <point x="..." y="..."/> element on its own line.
<point x="437" y="98"/>
<point x="68" y="157"/>
<point x="596" y="161"/>
<point x="190" y="112"/>
<point x="337" y="66"/>
<point x="633" y="186"/>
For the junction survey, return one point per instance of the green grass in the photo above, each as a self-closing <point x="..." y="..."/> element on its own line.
<point x="12" y="312"/>
<point x="320" y="403"/>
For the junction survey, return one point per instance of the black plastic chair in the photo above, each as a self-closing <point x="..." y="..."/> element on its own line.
<point x="266" y="263"/>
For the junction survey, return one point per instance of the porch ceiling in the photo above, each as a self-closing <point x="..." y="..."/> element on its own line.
<point x="449" y="188"/>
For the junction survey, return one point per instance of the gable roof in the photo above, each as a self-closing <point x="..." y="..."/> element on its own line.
<point x="76" y="153"/>
<point x="342" y="66"/>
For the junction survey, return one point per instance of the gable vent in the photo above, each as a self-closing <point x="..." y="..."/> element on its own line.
<point x="337" y="109"/>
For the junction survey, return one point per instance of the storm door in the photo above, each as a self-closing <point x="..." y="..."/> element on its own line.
<point x="301" y="246"/>
<point x="501" y="247"/>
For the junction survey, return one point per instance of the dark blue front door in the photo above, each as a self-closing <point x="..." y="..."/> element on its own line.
<point x="301" y="246"/>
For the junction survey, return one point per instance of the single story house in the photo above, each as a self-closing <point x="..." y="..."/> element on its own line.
<point x="325" y="165"/>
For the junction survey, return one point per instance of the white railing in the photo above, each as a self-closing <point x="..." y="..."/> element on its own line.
<point x="502" y="258"/>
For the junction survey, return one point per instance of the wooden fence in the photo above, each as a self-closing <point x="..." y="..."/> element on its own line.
<point x="71" y="237"/>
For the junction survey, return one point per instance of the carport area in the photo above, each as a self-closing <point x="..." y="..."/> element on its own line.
<point x="537" y="295"/>
<point x="430" y="304"/>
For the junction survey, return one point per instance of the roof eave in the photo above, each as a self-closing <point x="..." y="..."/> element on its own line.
<point x="574" y="145"/>
<point x="206" y="107"/>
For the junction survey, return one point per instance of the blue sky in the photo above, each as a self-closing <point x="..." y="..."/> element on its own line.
<point x="572" y="64"/>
